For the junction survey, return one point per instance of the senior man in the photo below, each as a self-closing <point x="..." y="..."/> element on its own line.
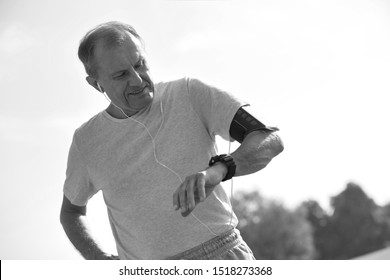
<point x="152" y="154"/>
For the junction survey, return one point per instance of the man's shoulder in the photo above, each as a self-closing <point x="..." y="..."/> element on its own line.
<point x="189" y="84"/>
<point x="180" y="87"/>
<point x="164" y="85"/>
<point x="90" y="126"/>
<point x="171" y="91"/>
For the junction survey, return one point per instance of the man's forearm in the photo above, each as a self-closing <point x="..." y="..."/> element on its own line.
<point x="256" y="151"/>
<point x="76" y="228"/>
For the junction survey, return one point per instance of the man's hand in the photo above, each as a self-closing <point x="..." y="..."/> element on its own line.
<point x="197" y="187"/>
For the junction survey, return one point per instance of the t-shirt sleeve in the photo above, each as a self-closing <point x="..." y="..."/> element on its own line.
<point x="215" y="108"/>
<point x="78" y="187"/>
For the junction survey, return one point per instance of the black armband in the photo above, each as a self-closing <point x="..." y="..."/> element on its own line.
<point x="244" y="123"/>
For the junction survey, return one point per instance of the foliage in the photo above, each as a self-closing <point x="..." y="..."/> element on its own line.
<point x="383" y="216"/>
<point x="272" y="231"/>
<point x="353" y="229"/>
<point x="319" y="220"/>
<point x="355" y="226"/>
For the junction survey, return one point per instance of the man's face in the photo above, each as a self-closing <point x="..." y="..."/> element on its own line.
<point x="124" y="75"/>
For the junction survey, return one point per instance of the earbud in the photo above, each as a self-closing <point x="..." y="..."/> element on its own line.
<point x="99" y="87"/>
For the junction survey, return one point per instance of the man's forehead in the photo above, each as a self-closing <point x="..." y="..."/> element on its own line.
<point x="113" y="57"/>
<point x="128" y="42"/>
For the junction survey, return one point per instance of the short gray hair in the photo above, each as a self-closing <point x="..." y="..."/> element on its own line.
<point x="111" y="33"/>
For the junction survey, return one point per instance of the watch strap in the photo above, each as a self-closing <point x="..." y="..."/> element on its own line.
<point x="228" y="161"/>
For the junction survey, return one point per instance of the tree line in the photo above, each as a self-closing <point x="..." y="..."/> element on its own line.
<point x="354" y="226"/>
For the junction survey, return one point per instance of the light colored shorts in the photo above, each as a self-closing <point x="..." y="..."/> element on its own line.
<point x="227" y="246"/>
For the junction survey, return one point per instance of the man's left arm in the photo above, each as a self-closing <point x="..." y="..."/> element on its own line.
<point x="256" y="151"/>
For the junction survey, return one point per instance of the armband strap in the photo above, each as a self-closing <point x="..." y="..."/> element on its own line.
<point x="244" y="123"/>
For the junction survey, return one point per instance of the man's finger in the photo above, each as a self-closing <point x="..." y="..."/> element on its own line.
<point x="182" y="196"/>
<point x="176" y="202"/>
<point x="190" y="194"/>
<point x="200" y="185"/>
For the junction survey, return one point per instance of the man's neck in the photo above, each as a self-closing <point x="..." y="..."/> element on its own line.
<point x="117" y="113"/>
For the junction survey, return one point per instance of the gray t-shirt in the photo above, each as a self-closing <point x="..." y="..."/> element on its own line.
<point x="118" y="157"/>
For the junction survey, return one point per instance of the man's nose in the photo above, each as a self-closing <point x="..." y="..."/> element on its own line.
<point x="135" y="79"/>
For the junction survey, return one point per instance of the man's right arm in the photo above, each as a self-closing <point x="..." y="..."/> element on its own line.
<point x="74" y="221"/>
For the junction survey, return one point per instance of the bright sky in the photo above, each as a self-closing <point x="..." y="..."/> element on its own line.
<point x="319" y="70"/>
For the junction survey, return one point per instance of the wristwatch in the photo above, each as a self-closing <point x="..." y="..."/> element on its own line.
<point x="228" y="161"/>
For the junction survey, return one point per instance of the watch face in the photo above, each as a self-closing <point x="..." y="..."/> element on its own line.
<point x="215" y="159"/>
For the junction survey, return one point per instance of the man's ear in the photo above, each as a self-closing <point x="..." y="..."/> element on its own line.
<point x="93" y="82"/>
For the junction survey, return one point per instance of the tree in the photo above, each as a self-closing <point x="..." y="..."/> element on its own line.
<point x="319" y="220"/>
<point x="352" y="229"/>
<point x="272" y="231"/>
<point x="383" y="216"/>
